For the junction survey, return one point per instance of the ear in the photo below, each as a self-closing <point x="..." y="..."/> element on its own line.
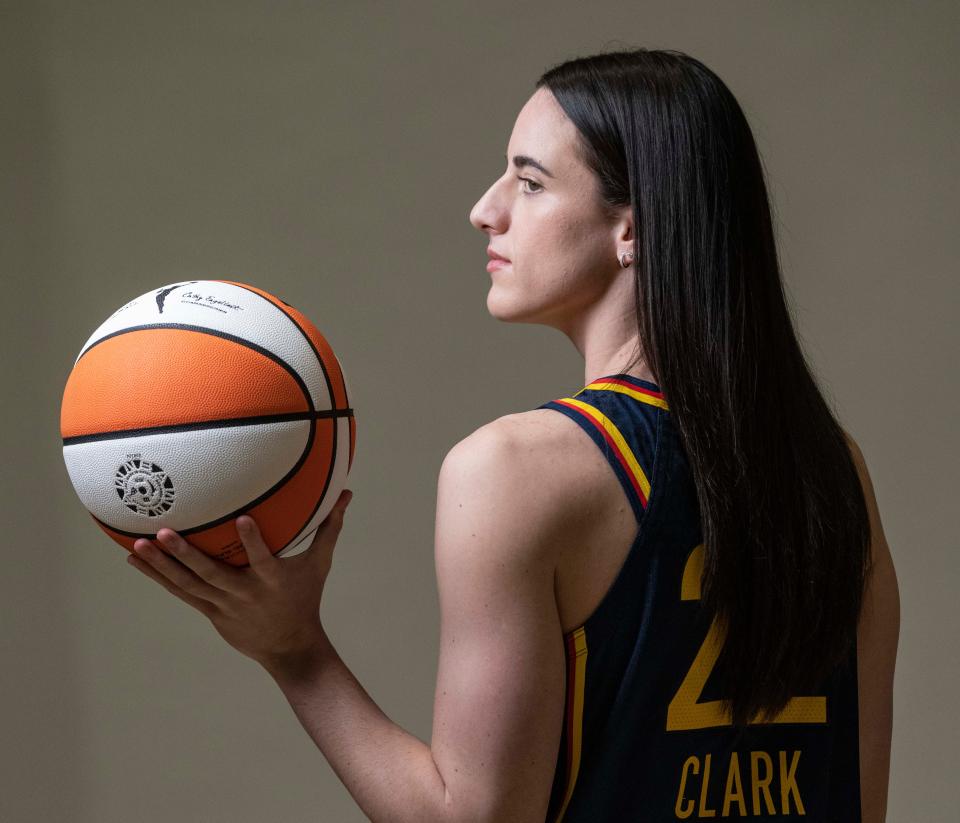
<point x="624" y="224"/>
<point x="623" y="231"/>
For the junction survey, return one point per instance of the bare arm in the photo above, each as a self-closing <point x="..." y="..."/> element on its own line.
<point x="389" y="772"/>
<point x="877" y="638"/>
<point x="498" y="706"/>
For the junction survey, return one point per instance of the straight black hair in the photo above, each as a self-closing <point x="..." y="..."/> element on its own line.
<point x="784" y="519"/>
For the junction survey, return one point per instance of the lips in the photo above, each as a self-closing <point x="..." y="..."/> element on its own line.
<point x="494" y="256"/>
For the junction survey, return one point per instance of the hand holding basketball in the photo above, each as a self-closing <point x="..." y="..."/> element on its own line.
<point x="267" y="611"/>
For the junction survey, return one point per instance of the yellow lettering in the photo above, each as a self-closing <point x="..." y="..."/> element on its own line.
<point x="788" y="783"/>
<point x="761" y="782"/>
<point x="762" y="776"/>
<point x="686" y="710"/>
<point x="683" y="810"/>
<point x="733" y="776"/>
<point x="704" y="811"/>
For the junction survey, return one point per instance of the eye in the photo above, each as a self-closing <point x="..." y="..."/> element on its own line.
<point x="532" y="183"/>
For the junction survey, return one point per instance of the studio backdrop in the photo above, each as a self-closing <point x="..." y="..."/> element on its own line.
<point x="330" y="153"/>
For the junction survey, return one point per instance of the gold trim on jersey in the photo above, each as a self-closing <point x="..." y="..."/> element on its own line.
<point x="576" y="678"/>
<point x="636" y="393"/>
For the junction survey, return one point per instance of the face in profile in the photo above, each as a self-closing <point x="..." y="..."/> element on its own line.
<point x="545" y="217"/>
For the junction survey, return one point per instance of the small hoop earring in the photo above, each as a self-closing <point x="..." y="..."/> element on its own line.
<point x="623" y="261"/>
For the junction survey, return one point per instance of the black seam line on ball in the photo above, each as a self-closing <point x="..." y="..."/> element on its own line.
<point x="208" y="424"/>
<point x="335" y="451"/>
<point x="215" y="333"/>
<point x="248" y="506"/>
<point x="299" y="539"/>
<point x="303" y="331"/>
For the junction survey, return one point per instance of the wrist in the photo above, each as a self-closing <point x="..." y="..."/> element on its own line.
<point x="305" y="657"/>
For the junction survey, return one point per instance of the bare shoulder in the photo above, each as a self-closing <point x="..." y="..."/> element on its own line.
<point x="538" y="425"/>
<point x="536" y="467"/>
<point x="880" y="549"/>
<point x="535" y="444"/>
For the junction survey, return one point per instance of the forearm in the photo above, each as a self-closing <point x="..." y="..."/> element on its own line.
<point x="389" y="772"/>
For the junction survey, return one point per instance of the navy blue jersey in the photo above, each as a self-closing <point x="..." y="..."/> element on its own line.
<point x="644" y="737"/>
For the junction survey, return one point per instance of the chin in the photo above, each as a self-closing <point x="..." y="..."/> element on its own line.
<point x="504" y="307"/>
<point x="508" y="309"/>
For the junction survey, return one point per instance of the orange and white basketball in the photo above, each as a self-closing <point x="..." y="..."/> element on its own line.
<point x="201" y="401"/>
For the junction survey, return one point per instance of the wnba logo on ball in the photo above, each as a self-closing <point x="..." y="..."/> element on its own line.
<point x="144" y="487"/>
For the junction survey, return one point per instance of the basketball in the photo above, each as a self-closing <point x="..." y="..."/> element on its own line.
<point x="201" y="401"/>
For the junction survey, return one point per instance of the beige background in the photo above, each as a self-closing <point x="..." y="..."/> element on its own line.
<point x="330" y="153"/>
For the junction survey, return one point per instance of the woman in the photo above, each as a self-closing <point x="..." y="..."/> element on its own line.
<point x="666" y="596"/>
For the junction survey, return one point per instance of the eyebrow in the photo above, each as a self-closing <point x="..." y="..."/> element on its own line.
<point x="521" y="160"/>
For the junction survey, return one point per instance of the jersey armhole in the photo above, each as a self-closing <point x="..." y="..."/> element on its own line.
<point x="616" y="449"/>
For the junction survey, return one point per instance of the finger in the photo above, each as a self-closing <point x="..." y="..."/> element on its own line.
<point x="329" y="529"/>
<point x="209" y="570"/>
<point x="333" y="522"/>
<point x="203" y="606"/>
<point x="258" y="552"/>
<point x="175" y="572"/>
<point x="340" y="507"/>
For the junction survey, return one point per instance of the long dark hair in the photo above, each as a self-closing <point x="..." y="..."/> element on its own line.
<point x="785" y="523"/>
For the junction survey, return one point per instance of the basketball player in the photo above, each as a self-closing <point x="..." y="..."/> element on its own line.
<point x="665" y="595"/>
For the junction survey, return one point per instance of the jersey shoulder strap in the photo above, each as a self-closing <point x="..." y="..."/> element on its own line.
<point x="622" y="415"/>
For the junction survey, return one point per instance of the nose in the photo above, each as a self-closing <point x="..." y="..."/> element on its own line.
<point x="488" y="213"/>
